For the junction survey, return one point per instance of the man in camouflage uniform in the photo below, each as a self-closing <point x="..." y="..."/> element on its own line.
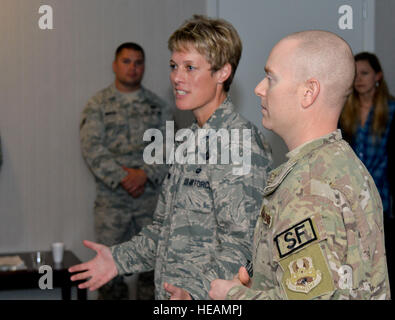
<point x="206" y="213"/>
<point x="320" y="230"/>
<point x="112" y="128"/>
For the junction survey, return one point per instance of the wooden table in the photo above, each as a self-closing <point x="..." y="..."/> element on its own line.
<point x="29" y="278"/>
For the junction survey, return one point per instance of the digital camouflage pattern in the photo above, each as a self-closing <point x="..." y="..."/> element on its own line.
<point x="320" y="232"/>
<point x="111" y="132"/>
<point x="205" y="217"/>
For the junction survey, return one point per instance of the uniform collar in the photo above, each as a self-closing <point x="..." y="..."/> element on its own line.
<point x="310" y="146"/>
<point x="219" y="117"/>
<point x="277" y="175"/>
<point x="138" y="97"/>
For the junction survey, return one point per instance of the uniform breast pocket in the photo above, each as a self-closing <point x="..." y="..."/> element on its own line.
<point x="116" y="132"/>
<point x="151" y="116"/>
<point x="194" y="195"/>
<point x="194" y="203"/>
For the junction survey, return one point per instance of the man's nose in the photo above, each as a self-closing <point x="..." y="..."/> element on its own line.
<point x="260" y="89"/>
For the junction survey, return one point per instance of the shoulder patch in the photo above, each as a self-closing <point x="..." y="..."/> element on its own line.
<point x="306" y="274"/>
<point x="295" y="237"/>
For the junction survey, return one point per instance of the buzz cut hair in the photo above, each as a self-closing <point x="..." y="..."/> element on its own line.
<point x="131" y="46"/>
<point x="216" y="39"/>
<point x="328" y="57"/>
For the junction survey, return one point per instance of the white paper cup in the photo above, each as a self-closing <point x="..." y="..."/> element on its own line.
<point x="57" y="251"/>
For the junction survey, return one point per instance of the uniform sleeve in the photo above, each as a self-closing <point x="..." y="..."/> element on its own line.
<point x="157" y="172"/>
<point x="237" y="199"/>
<point x="244" y="293"/>
<point x="99" y="159"/>
<point x="139" y="253"/>
<point x="331" y="249"/>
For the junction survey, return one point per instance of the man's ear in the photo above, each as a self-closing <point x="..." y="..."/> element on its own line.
<point x="224" y="73"/>
<point x="310" y="91"/>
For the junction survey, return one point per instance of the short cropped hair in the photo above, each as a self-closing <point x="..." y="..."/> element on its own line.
<point x="130" y="46"/>
<point x="216" y="39"/>
<point x="328" y="57"/>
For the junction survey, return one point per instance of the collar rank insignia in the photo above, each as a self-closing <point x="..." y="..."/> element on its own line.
<point x="267" y="219"/>
<point x="303" y="276"/>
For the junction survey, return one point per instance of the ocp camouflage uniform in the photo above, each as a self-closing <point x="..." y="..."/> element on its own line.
<point x="320" y="232"/>
<point x="205" y="217"/>
<point x="111" y="131"/>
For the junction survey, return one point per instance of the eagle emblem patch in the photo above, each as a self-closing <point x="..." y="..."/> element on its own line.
<point x="303" y="276"/>
<point x="306" y="274"/>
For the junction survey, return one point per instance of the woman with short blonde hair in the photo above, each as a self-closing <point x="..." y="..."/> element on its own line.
<point x="206" y="212"/>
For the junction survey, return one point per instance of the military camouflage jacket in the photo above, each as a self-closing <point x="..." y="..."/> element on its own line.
<point x="205" y="217"/>
<point x="111" y="132"/>
<point x="320" y="232"/>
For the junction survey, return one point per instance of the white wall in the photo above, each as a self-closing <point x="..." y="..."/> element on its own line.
<point x="385" y="40"/>
<point x="46" y="78"/>
<point x="262" y="23"/>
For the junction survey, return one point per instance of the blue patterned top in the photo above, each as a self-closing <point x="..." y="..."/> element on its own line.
<point x="373" y="153"/>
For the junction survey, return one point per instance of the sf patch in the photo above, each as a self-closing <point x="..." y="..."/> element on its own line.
<point x="295" y="238"/>
<point x="301" y="249"/>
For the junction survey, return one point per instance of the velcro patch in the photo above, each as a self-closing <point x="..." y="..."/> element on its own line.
<point x="306" y="274"/>
<point x="295" y="237"/>
<point x="267" y="219"/>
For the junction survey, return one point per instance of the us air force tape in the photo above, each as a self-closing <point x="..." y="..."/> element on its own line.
<point x="303" y="261"/>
